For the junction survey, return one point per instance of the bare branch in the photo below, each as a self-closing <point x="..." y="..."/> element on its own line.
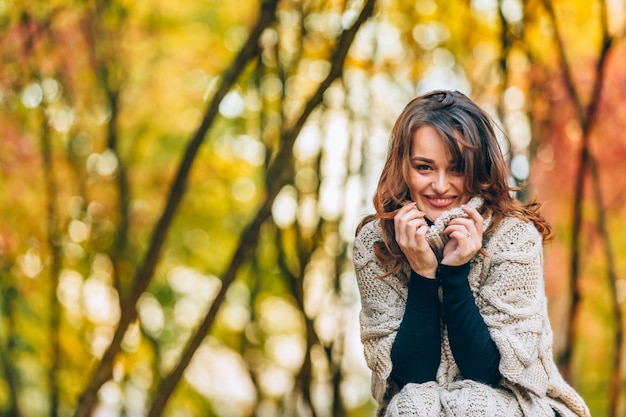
<point x="144" y="274"/>
<point x="278" y="173"/>
<point x="54" y="245"/>
<point x="587" y="163"/>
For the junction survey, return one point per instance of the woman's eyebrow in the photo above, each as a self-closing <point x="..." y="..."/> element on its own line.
<point x="422" y="159"/>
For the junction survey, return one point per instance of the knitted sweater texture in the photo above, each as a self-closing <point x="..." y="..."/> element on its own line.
<point x="508" y="288"/>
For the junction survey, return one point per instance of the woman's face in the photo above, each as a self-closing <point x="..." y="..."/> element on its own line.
<point x="436" y="185"/>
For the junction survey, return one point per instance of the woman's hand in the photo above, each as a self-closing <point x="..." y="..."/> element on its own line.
<point x="466" y="238"/>
<point x="410" y="229"/>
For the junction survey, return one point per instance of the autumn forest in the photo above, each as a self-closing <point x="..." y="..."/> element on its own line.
<point x="180" y="184"/>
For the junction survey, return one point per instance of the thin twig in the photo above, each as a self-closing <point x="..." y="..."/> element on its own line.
<point x="54" y="245"/>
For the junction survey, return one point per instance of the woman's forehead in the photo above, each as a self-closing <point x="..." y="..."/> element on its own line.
<point x="429" y="142"/>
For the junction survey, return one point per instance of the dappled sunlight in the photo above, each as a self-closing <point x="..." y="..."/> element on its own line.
<point x="61" y="118"/>
<point x="103" y="164"/>
<point x="309" y="142"/>
<point x="151" y="314"/>
<point x="232" y="106"/>
<point x="188" y="311"/>
<point x="78" y="231"/>
<point x="111" y="400"/>
<point x="188" y="281"/>
<point x="99" y="339"/>
<point x="285" y="207"/>
<point x="197" y="240"/>
<point x="32" y="95"/>
<point x="518" y="127"/>
<point x="278" y="316"/>
<point x="148" y="165"/>
<point x="30" y="263"/>
<point x="287" y="351"/>
<point x="220" y="375"/>
<point x="242" y="147"/>
<point x="275" y="381"/>
<point x="100" y="302"/>
<point x="196" y="291"/>
<point x="308" y="214"/>
<point x="70" y="295"/>
<point x="243" y="189"/>
<point x="430" y="35"/>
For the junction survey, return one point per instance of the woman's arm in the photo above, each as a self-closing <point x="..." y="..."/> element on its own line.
<point x="416" y="351"/>
<point x="512" y="302"/>
<point x="474" y="351"/>
<point x="382" y="308"/>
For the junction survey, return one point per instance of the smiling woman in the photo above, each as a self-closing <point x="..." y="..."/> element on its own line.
<point x="435" y="182"/>
<point x="450" y="271"/>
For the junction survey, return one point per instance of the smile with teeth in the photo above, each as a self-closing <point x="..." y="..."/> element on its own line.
<point x="440" y="202"/>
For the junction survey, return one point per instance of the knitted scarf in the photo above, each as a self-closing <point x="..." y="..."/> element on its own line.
<point x="435" y="236"/>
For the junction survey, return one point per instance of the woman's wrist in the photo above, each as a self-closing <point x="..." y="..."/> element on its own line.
<point x="430" y="273"/>
<point x="454" y="272"/>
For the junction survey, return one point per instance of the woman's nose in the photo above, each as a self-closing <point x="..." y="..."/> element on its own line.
<point x="441" y="183"/>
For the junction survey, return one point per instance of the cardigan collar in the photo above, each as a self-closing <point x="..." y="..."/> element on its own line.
<point x="438" y="239"/>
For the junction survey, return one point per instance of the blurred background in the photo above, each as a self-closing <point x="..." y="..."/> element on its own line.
<point x="180" y="184"/>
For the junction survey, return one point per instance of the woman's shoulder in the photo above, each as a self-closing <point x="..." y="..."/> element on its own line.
<point x="515" y="233"/>
<point x="514" y="225"/>
<point x="369" y="232"/>
<point x="363" y="249"/>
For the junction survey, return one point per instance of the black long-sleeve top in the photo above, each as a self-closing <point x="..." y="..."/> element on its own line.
<point x="416" y="351"/>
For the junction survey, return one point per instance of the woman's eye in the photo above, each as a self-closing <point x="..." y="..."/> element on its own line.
<point x="423" y="167"/>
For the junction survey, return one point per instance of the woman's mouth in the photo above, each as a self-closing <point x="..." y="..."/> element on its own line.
<point x="441" y="202"/>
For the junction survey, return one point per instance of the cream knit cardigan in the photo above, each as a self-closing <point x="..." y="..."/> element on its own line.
<point x="508" y="288"/>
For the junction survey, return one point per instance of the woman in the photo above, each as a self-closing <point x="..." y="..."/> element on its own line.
<point x="454" y="318"/>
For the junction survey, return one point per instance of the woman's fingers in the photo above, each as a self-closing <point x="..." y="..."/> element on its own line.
<point x="407" y="220"/>
<point x="410" y="232"/>
<point x="473" y="223"/>
<point x="411" y="228"/>
<point x="474" y="215"/>
<point x="466" y="235"/>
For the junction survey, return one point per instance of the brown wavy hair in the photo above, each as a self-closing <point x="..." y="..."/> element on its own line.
<point x="469" y="135"/>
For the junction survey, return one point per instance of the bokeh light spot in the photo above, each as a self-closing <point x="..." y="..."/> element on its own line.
<point x="32" y="96"/>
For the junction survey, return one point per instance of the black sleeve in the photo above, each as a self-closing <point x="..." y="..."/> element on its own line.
<point x="474" y="351"/>
<point x="416" y="351"/>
